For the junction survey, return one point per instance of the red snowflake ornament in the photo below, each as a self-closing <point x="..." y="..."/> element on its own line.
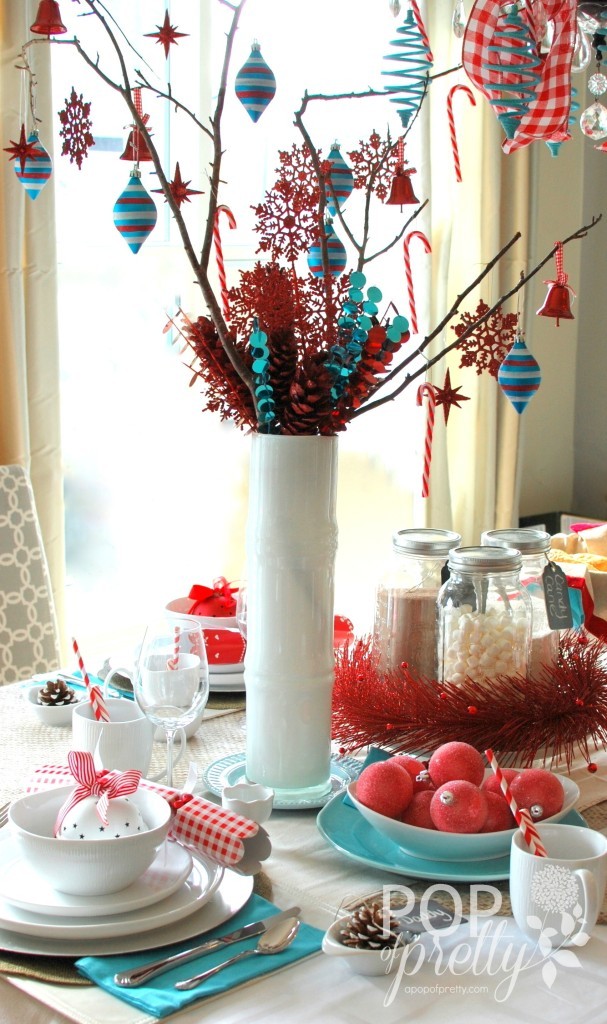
<point x="448" y="396"/>
<point x="179" y="188"/>
<point x="287" y="220"/>
<point x="166" y="35"/>
<point x="76" y="128"/>
<point x="487" y="345"/>
<point x="23" y="150"/>
<point x="374" y="165"/>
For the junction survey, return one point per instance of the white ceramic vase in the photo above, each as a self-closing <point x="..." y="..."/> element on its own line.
<point x="289" y="661"/>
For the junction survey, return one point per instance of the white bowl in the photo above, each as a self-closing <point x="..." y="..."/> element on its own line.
<point x="430" y="844"/>
<point x="249" y="799"/>
<point x="85" y="867"/>
<point x="61" y="714"/>
<point x="371" y="962"/>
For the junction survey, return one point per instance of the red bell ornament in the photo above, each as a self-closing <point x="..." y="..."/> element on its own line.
<point x="136" y="150"/>
<point x="48" y="20"/>
<point x="401" y="192"/>
<point x="557" y="303"/>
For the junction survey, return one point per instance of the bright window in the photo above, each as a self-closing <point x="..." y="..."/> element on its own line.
<point x="156" y="492"/>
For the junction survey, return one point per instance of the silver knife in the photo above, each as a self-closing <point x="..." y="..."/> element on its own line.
<point x="139" y="975"/>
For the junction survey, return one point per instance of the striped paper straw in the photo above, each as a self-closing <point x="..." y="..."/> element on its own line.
<point x="98" y="704"/>
<point x="521" y="815"/>
<point x="173" y="662"/>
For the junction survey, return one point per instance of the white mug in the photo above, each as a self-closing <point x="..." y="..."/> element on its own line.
<point x="124" y="742"/>
<point x="559" y="896"/>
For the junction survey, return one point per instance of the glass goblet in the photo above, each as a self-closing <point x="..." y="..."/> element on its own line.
<point x="171" y="680"/>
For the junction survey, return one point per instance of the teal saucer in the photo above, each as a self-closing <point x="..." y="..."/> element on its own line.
<point x="345" y="828"/>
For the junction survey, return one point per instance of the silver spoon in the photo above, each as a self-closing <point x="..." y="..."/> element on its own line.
<point x="275" y="940"/>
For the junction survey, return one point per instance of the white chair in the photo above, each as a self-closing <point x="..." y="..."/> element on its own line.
<point x="29" y="638"/>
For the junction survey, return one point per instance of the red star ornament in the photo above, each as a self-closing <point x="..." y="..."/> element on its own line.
<point x="448" y="396"/>
<point x="22" y="150"/>
<point x="179" y="188"/>
<point x="167" y="34"/>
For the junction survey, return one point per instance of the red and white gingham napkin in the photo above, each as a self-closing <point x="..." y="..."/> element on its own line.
<point x="548" y="113"/>
<point x="218" y="833"/>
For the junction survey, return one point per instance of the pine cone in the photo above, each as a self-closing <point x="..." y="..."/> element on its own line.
<point x="56" y="693"/>
<point x="310" y="407"/>
<point x="364" y="929"/>
<point x="283" y="364"/>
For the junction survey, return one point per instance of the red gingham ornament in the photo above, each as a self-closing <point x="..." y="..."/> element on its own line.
<point x="548" y="113"/>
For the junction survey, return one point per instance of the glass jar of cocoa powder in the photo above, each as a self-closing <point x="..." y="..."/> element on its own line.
<point x="405" y="627"/>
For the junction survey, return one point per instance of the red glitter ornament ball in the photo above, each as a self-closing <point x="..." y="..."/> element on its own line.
<point x="539" y="791"/>
<point x="491" y="783"/>
<point x="417" y="770"/>
<point x="458" y="806"/>
<point x="386" y="788"/>
<point x="499" y="816"/>
<point x="456" y="760"/>
<point x="418" y="811"/>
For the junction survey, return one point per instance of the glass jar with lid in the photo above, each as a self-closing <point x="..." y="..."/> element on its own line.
<point x="405" y="628"/>
<point x="533" y="546"/>
<point x="484" y="616"/>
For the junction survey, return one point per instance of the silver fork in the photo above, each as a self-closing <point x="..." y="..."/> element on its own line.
<point x="4" y="814"/>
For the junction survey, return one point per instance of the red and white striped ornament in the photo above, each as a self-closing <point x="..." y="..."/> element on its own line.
<point x="135" y="214"/>
<point x="36" y="170"/>
<point x="409" y="274"/>
<point x="428" y="391"/>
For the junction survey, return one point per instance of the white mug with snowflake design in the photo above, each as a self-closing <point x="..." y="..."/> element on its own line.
<point x="557" y="899"/>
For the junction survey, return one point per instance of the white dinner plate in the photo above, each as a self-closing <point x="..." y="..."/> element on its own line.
<point x="23" y="888"/>
<point x="193" y="893"/>
<point x="231" y="895"/>
<point x="226" y="683"/>
<point x="215" y="669"/>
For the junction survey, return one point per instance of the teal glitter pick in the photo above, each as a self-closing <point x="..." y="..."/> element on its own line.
<point x="264" y="392"/>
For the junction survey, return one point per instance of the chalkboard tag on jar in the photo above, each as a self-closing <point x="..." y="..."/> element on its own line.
<point x="558" y="605"/>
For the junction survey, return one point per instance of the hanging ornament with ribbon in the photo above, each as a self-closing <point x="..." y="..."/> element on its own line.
<point x="557" y="302"/>
<point x="341" y="180"/>
<point x="136" y="149"/>
<point x="336" y="254"/>
<point x="401" y="190"/>
<point x="519" y="376"/>
<point x="414" y="60"/>
<point x="255" y="84"/>
<point x="37" y="167"/>
<point x="135" y="213"/>
<point x="593" y="121"/>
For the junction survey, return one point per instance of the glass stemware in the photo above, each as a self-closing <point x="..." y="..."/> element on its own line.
<point x="171" y="681"/>
<point x="241" y="609"/>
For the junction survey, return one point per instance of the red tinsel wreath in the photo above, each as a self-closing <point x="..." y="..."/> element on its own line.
<point x="556" y="715"/>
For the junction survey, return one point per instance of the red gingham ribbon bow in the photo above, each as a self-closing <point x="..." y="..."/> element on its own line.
<point x="105" y="785"/>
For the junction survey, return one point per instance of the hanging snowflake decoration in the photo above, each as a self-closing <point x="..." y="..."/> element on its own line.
<point x="287" y="220"/>
<point x="487" y="345"/>
<point x="374" y="165"/>
<point x="76" y="128"/>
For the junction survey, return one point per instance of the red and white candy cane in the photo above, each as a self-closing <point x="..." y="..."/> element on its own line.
<point x="409" y="274"/>
<point x="98" y="704"/>
<point x="521" y="814"/>
<point x="221" y="270"/>
<point x="468" y="92"/>
<point x="428" y="391"/>
<point x="422" y="28"/>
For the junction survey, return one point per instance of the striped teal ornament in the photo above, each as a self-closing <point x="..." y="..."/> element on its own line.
<point x="255" y="84"/>
<point x="336" y="254"/>
<point x="341" y="178"/>
<point x="135" y="213"/>
<point x="37" y="170"/>
<point x="519" y="376"/>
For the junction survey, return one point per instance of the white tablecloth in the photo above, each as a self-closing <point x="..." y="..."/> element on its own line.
<point x="304" y="869"/>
